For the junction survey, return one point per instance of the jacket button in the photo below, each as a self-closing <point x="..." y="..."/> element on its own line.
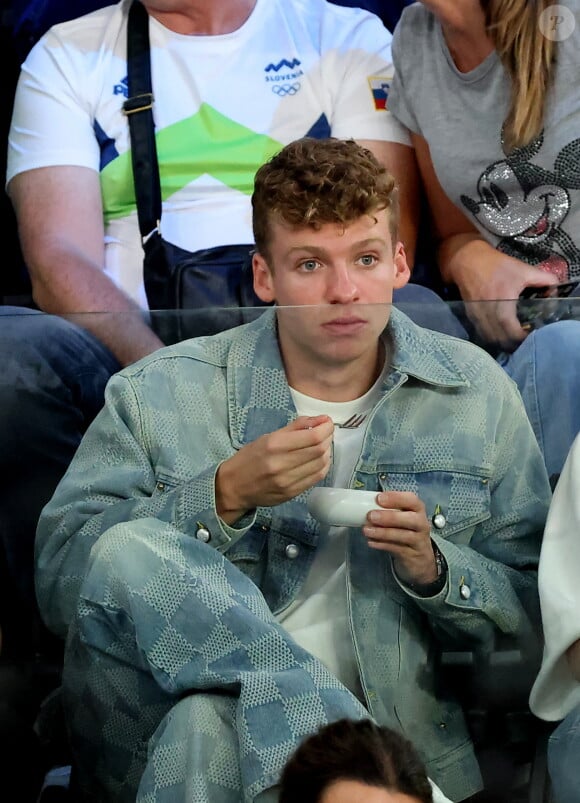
<point x="439" y="521"/>
<point x="265" y="528"/>
<point x="160" y="486"/>
<point x="382" y="477"/>
<point x="464" y="591"/>
<point x="203" y="535"/>
<point x="292" y="551"/>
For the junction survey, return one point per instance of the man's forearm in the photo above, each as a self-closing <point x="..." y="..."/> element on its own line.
<point x="400" y="161"/>
<point x="126" y="334"/>
<point x="92" y="301"/>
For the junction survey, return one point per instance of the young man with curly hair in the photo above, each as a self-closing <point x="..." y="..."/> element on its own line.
<point x="211" y="621"/>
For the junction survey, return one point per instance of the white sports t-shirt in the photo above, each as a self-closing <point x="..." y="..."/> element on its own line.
<point x="223" y="105"/>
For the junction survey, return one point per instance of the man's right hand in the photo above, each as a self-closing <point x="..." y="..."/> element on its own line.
<point x="274" y="468"/>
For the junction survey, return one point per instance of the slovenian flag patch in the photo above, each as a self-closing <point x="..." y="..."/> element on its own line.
<point x="379" y="85"/>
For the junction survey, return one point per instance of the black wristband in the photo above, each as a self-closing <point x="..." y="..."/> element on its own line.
<point x="433" y="588"/>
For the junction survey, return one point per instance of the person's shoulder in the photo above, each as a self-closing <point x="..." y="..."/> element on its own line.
<point x="332" y="18"/>
<point x="84" y="31"/>
<point x="438" y="356"/>
<point x="478" y="366"/>
<point x="429" y="347"/>
<point x="415" y="17"/>
<point x="415" y="24"/>
<point x="215" y="351"/>
<point x="467" y="352"/>
<point x="187" y="356"/>
<point x="414" y="44"/>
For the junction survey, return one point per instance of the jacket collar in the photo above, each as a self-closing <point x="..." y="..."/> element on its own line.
<point x="259" y="399"/>
<point x="424" y="354"/>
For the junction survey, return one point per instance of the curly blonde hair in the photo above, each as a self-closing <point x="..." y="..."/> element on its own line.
<point x="529" y="59"/>
<point x="311" y="182"/>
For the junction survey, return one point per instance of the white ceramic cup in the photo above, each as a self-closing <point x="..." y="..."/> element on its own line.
<point x="342" y="507"/>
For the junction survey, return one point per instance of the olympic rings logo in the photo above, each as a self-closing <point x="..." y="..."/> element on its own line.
<point x="285" y="89"/>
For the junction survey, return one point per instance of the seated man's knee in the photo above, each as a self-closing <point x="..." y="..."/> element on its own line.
<point x="425" y="308"/>
<point x="32" y="329"/>
<point x="125" y="553"/>
<point x="41" y="349"/>
<point x="133" y="554"/>
<point x="559" y="339"/>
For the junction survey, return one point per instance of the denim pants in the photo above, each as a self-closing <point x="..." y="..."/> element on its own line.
<point x="564" y="759"/>
<point x="52" y="381"/>
<point x="172" y="641"/>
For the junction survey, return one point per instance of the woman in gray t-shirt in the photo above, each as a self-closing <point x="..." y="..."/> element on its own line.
<point x="492" y="98"/>
<point x="496" y="124"/>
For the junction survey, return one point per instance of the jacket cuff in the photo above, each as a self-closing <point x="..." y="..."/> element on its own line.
<point x="197" y="515"/>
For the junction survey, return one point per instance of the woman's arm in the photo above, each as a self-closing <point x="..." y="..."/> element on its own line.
<point x="480" y="272"/>
<point x="401" y="163"/>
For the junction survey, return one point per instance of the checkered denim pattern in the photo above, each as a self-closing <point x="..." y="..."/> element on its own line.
<point x="449" y="425"/>
<point x="163" y="616"/>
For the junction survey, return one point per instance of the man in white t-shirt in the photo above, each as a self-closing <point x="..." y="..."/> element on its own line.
<point x="211" y="621"/>
<point x="233" y="81"/>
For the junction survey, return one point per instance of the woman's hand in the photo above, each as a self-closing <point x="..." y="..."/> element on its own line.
<point x="490" y="283"/>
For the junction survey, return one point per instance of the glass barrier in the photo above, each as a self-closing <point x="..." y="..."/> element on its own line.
<point x="52" y="386"/>
<point x="427" y="310"/>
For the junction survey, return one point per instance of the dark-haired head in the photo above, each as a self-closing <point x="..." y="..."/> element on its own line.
<point x="351" y="750"/>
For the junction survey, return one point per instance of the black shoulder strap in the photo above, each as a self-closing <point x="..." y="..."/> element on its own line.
<point x="139" y="110"/>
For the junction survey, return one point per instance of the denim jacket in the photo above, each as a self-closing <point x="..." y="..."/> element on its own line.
<point x="449" y="426"/>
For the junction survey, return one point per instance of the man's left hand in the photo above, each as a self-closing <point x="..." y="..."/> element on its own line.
<point x="400" y="526"/>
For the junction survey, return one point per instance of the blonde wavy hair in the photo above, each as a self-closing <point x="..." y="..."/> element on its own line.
<point x="529" y="58"/>
<point x="311" y="182"/>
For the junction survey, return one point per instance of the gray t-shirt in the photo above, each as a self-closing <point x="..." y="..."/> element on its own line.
<point x="527" y="202"/>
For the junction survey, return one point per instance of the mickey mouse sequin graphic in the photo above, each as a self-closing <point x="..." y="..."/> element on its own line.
<point x="526" y="205"/>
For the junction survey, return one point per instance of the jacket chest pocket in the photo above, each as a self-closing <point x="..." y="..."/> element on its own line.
<point x="455" y="502"/>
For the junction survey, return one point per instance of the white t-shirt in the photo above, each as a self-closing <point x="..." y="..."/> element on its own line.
<point x="223" y="105"/>
<point x="318" y="618"/>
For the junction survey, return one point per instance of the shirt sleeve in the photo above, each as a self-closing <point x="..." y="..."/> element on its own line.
<point x="358" y="70"/>
<point x="556" y="691"/>
<point x="48" y="103"/>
